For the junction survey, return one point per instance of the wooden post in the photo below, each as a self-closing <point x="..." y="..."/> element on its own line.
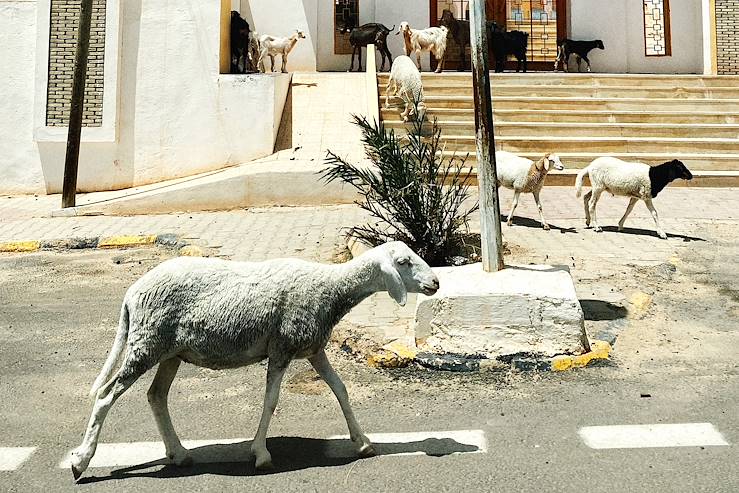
<point x="77" y="105"/>
<point x="491" y="239"/>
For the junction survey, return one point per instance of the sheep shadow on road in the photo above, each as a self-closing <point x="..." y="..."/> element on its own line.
<point x="649" y="232"/>
<point x="527" y="222"/>
<point x="288" y="454"/>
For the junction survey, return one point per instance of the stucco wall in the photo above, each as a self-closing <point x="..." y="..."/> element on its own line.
<point x="176" y="115"/>
<point x="619" y="23"/>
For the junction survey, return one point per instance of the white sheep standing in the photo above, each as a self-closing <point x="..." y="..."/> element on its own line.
<point x="221" y="314"/>
<point x="272" y="46"/>
<point x="431" y="39"/>
<point x="630" y="179"/>
<point x="405" y="82"/>
<point x="523" y="175"/>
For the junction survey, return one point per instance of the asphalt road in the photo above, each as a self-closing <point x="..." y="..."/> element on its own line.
<point x="57" y="320"/>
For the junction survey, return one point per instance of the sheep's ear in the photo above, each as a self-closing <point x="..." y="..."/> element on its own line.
<point x="394" y="283"/>
<point x="547" y="162"/>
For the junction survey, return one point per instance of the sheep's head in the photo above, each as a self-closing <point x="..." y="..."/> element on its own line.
<point x="552" y="161"/>
<point x="404" y="272"/>
<point x="300" y="34"/>
<point x="679" y="170"/>
<point x="404" y="28"/>
<point x="599" y="44"/>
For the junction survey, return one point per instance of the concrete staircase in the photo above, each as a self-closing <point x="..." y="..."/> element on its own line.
<point x="650" y="118"/>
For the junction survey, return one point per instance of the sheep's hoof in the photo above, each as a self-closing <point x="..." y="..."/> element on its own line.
<point x="509" y="223"/>
<point x="367" y="450"/>
<point x="185" y="461"/>
<point x="546" y="227"/>
<point x="77" y="473"/>
<point x="598" y="229"/>
<point x="662" y="235"/>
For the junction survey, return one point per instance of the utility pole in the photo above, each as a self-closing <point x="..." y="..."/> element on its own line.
<point x="491" y="237"/>
<point x="77" y="105"/>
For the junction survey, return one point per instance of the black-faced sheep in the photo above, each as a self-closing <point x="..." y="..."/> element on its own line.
<point x="634" y="180"/>
<point x="568" y="47"/>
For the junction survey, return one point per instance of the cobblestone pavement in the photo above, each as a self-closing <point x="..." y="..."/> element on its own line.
<point x="315" y="233"/>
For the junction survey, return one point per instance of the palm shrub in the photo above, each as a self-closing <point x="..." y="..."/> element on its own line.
<point x="414" y="193"/>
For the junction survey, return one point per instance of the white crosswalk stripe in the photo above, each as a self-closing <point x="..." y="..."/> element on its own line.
<point x="237" y="450"/>
<point x="652" y="436"/>
<point x="11" y="458"/>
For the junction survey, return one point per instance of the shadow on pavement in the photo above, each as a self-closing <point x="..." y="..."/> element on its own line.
<point x="649" y="232"/>
<point x="533" y="223"/>
<point x="288" y="454"/>
<point x="598" y="310"/>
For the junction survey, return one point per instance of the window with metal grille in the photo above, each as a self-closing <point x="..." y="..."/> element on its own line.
<point x="657" y="28"/>
<point x="346" y="18"/>
<point x="539" y="19"/>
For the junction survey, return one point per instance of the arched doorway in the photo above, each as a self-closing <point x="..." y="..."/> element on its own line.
<point x="544" y="20"/>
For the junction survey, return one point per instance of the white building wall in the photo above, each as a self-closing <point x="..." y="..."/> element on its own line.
<point x="620" y="24"/>
<point x="176" y="116"/>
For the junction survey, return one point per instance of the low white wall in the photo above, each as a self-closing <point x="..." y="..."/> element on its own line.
<point x="177" y="116"/>
<point x="620" y="24"/>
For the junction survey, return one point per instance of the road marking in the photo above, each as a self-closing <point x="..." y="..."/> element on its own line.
<point x="432" y="443"/>
<point x="651" y="436"/>
<point x="11" y="458"/>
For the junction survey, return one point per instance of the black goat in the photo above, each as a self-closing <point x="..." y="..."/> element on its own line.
<point x="239" y="43"/>
<point x="580" y="49"/>
<point x="372" y="33"/>
<point x="509" y="43"/>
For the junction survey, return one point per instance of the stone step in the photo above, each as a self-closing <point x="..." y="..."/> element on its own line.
<point x="539" y="90"/>
<point x="585" y="130"/>
<point x="578" y="116"/>
<point x="601" y="145"/>
<point x="615" y="104"/>
<point x="451" y="78"/>
<point x="578" y="160"/>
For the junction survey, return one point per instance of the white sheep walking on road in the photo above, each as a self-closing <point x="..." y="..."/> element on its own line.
<point x="431" y="39"/>
<point x="405" y="82"/>
<point x="272" y="46"/>
<point x="523" y="175"/>
<point x="220" y="314"/>
<point x="635" y="180"/>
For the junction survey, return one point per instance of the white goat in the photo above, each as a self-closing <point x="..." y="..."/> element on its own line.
<point x="272" y="46"/>
<point x="525" y="176"/>
<point x="431" y="39"/>
<point x="635" y="180"/>
<point x="220" y="314"/>
<point x="405" y="81"/>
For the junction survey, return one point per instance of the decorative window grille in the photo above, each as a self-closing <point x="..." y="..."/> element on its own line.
<point x="346" y="18"/>
<point x="657" y="28"/>
<point x="539" y="19"/>
<point x="460" y="8"/>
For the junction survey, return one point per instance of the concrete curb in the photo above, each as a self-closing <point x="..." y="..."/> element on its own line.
<point x="167" y="240"/>
<point x="397" y="355"/>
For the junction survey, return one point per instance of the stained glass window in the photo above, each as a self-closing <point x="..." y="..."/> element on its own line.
<point x="539" y="19"/>
<point x="657" y="27"/>
<point x="346" y="18"/>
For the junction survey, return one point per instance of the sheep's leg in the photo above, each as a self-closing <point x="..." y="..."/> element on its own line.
<point x="579" y="63"/>
<point x="513" y="208"/>
<point x="106" y="397"/>
<point x="272" y="63"/>
<point x="587" y="61"/>
<point x="418" y="59"/>
<point x="630" y="208"/>
<point x="275" y="371"/>
<point x="651" y="208"/>
<point x="394" y="89"/>
<point x="325" y="370"/>
<point x="593" y="203"/>
<point x="586" y="202"/>
<point x="157" y="397"/>
<point x="284" y="63"/>
<point x="541" y="211"/>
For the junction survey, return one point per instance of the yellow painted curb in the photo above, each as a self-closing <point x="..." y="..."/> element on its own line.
<point x="393" y="355"/>
<point x="126" y="241"/>
<point x="19" y="246"/>
<point x="600" y="350"/>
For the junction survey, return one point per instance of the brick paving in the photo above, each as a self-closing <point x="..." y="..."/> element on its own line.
<point x="316" y="233"/>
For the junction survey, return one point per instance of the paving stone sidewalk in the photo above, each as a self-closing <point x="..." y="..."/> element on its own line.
<point x="316" y="233"/>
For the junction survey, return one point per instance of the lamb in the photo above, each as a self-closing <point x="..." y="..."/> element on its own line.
<point x="634" y="180"/>
<point x="272" y="46"/>
<point x="525" y="176"/>
<point x="405" y="81"/>
<point x="222" y="314"/>
<point x="366" y="34"/>
<point x="431" y="39"/>
<point x="566" y="47"/>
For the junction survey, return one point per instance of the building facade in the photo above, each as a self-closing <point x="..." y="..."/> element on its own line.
<point x="158" y="106"/>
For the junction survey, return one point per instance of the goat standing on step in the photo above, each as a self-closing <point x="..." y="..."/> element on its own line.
<point x="431" y="39"/>
<point x="638" y="181"/>
<point x="271" y="46"/>
<point x="525" y="176"/>
<point x="366" y="34"/>
<point x="568" y="47"/>
<point x="220" y="314"/>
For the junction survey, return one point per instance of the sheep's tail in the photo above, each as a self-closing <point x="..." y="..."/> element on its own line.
<point x="580" y="178"/>
<point x="115" y="352"/>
